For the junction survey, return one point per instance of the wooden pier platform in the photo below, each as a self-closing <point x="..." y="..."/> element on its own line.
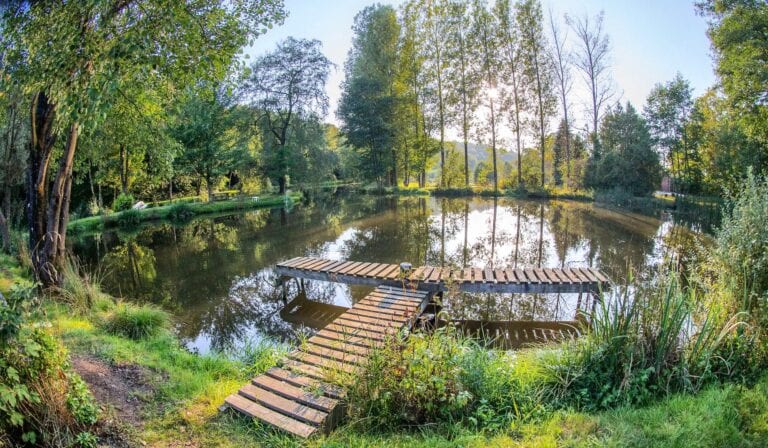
<point x="296" y="396"/>
<point x="436" y="279"/>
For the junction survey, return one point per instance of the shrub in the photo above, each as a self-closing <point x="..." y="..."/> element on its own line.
<point x="42" y="402"/>
<point x="180" y="212"/>
<point x="129" y="218"/>
<point x="445" y="377"/>
<point x="741" y="254"/>
<point x="646" y="341"/>
<point x="123" y="202"/>
<point x="136" y="322"/>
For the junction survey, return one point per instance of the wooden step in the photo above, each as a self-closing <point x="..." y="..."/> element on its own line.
<point x="303" y="381"/>
<point x="255" y="410"/>
<point x="297" y="394"/>
<point x="292" y="409"/>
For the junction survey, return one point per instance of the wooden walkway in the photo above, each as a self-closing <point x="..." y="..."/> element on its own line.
<point x="435" y="279"/>
<point x="510" y="335"/>
<point x="296" y="397"/>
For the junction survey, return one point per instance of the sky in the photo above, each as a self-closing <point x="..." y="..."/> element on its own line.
<point x="651" y="40"/>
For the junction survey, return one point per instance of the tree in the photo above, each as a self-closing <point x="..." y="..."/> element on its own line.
<point x="509" y="36"/>
<point x="209" y="127"/>
<point x="462" y="75"/>
<point x="489" y="64"/>
<point x="76" y="56"/>
<point x="561" y="60"/>
<point x="667" y="112"/>
<point x="737" y="30"/>
<point x="288" y="85"/>
<point x="537" y="69"/>
<point x="627" y="160"/>
<point x="435" y="29"/>
<point x="592" y="60"/>
<point x="369" y="99"/>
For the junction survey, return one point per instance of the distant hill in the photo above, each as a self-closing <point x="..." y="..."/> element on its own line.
<point x="476" y="152"/>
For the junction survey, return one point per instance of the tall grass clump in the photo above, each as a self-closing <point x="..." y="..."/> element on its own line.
<point x="136" y="322"/>
<point x="444" y="377"/>
<point x="646" y="341"/>
<point x="81" y="289"/>
<point x="129" y="218"/>
<point x="739" y="262"/>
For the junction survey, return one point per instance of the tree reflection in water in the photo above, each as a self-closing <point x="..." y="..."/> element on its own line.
<point x="215" y="274"/>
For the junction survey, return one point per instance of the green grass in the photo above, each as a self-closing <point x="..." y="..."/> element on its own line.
<point x="136" y="322"/>
<point x="131" y="218"/>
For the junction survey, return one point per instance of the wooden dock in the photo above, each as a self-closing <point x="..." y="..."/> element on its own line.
<point x="436" y="279"/>
<point x="296" y="396"/>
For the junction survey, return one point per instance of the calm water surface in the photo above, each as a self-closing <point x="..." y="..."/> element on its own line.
<point x="215" y="274"/>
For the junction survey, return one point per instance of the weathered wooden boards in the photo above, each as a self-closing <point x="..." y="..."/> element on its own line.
<point x="517" y="334"/>
<point x="296" y="397"/>
<point x="430" y="278"/>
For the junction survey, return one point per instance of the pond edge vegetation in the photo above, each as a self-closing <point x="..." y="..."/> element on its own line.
<point x="674" y="336"/>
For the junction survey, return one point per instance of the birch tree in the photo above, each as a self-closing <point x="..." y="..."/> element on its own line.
<point x="561" y="58"/>
<point x="537" y="70"/>
<point x="592" y="59"/>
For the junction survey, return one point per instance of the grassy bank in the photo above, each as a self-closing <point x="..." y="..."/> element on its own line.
<point x="186" y="390"/>
<point x="178" y="211"/>
<point x="537" y="193"/>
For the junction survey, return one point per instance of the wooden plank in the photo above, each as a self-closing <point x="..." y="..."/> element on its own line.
<point x="289" y="263"/>
<point x="531" y="276"/>
<point x="353" y="319"/>
<point x="346" y="338"/>
<point x="395" y="294"/>
<point x="392" y="273"/>
<point x="380" y="315"/>
<point x="385" y="313"/>
<point x="310" y="266"/>
<point x="563" y="278"/>
<point x="542" y="276"/>
<point x="588" y="275"/>
<point x="305" y="369"/>
<point x="434" y="276"/>
<point x="324" y="363"/>
<point x="499" y="276"/>
<point x="352" y="331"/>
<point x="330" y="267"/>
<point x="275" y="402"/>
<point x="466" y="275"/>
<point x="511" y="277"/>
<point x="418" y="273"/>
<point x="357" y="270"/>
<point x="291" y="392"/>
<point x="386" y="304"/>
<point x="341" y="267"/>
<point x="380" y="273"/>
<point x="281" y="421"/>
<point x="520" y="274"/>
<point x="305" y="382"/>
<point x="368" y="271"/>
<point x="332" y="354"/>
<point x="339" y="345"/>
<point x="402" y="291"/>
<point x="302" y="262"/>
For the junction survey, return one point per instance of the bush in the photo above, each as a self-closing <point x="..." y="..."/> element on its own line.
<point x="136" y="322"/>
<point x="123" y="202"/>
<point x="645" y="342"/>
<point x="180" y="212"/>
<point x="445" y="377"/>
<point x="741" y="255"/>
<point x="129" y="218"/>
<point x="42" y="402"/>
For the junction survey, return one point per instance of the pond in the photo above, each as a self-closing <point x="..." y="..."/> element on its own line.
<point x="215" y="274"/>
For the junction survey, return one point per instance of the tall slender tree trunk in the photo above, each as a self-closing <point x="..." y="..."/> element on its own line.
<point x="493" y="148"/>
<point x="5" y="233"/>
<point x="541" y="118"/>
<point x="123" y="169"/>
<point x="49" y="250"/>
